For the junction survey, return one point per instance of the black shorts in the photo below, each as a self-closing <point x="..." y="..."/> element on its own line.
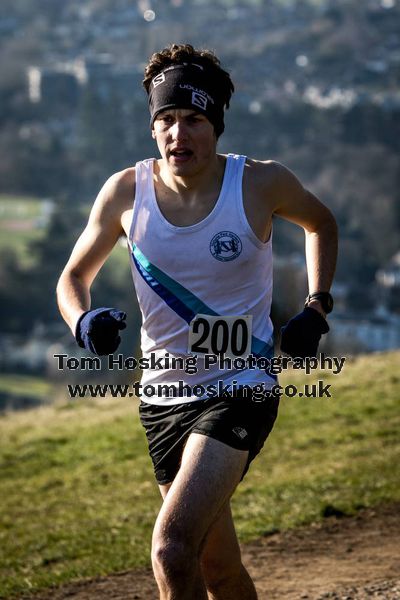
<point x="240" y="423"/>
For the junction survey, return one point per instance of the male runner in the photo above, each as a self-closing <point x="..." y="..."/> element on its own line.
<point x="199" y="237"/>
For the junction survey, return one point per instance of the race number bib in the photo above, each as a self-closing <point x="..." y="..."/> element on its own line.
<point x="229" y="336"/>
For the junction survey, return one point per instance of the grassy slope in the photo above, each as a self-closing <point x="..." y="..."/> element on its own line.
<point x="25" y="384"/>
<point x="78" y="497"/>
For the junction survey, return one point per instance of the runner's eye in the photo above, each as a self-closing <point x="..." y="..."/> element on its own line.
<point x="194" y="118"/>
<point x="166" y="118"/>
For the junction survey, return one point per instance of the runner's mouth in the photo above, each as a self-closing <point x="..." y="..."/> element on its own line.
<point x="181" y="154"/>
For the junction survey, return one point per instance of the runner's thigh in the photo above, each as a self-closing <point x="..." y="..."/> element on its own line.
<point x="208" y="476"/>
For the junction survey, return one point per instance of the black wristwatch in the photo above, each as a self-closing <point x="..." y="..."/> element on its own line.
<point x="324" y="298"/>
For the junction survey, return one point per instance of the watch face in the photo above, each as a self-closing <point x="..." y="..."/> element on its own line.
<point x="330" y="302"/>
<point x="326" y="302"/>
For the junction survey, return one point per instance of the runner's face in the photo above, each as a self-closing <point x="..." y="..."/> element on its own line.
<point x="186" y="140"/>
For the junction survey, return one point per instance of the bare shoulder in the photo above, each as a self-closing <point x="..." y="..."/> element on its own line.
<point x="275" y="181"/>
<point x="115" y="199"/>
<point x="261" y="180"/>
<point x="263" y="168"/>
<point x="267" y="173"/>
<point x="119" y="189"/>
<point x="262" y="175"/>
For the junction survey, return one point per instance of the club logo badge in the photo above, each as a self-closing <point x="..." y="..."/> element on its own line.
<point x="225" y="246"/>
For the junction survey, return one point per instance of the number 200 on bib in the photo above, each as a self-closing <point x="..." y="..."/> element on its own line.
<point x="229" y="336"/>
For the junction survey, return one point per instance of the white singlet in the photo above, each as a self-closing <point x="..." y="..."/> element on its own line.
<point x="214" y="268"/>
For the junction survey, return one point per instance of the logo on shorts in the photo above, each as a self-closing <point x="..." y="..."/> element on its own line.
<point x="225" y="246"/>
<point x="199" y="100"/>
<point x="240" y="432"/>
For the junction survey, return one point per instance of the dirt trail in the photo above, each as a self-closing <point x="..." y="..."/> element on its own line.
<point x="346" y="558"/>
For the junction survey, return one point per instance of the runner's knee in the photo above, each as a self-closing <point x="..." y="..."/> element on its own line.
<point x="172" y="545"/>
<point x="171" y="557"/>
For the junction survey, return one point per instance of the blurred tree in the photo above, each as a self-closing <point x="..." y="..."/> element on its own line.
<point x="101" y="145"/>
<point x="15" y="312"/>
<point x="27" y="296"/>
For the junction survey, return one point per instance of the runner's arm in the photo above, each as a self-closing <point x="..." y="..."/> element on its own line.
<point x="298" y="205"/>
<point x="91" y="250"/>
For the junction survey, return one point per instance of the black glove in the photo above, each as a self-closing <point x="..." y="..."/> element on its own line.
<point x="98" y="330"/>
<point x="301" y="336"/>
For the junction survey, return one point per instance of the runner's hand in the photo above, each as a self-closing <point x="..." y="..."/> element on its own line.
<point x="98" y="330"/>
<point x="301" y="335"/>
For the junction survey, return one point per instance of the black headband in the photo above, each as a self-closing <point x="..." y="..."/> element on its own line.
<point x="186" y="86"/>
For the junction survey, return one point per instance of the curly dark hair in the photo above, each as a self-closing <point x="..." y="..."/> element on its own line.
<point x="180" y="53"/>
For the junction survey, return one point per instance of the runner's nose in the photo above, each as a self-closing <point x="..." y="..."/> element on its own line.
<point x="179" y="130"/>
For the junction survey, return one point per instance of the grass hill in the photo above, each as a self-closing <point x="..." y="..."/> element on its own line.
<point x="79" y="499"/>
